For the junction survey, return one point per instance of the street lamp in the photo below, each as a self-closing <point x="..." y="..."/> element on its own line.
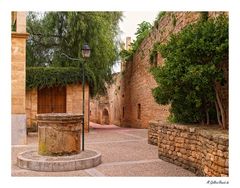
<point x="85" y="54"/>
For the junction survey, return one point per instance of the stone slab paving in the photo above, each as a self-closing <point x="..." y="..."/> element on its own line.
<point x="125" y="152"/>
<point x="142" y="168"/>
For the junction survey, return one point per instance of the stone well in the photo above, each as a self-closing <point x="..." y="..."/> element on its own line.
<point x="59" y="133"/>
<point x="58" y="145"/>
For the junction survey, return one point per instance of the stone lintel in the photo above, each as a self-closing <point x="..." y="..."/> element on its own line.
<point x="20" y="35"/>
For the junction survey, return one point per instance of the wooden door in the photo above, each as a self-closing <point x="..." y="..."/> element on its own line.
<point x="52" y="100"/>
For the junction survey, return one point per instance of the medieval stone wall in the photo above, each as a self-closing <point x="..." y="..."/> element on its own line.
<point x="94" y="111"/>
<point x="111" y="103"/>
<point x="137" y="81"/>
<point x="203" y="150"/>
<point x="114" y="97"/>
<point x="99" y="107"/>
<point x="75" y="101"/>
<point x="153" y="132"/>
<point x="131" y="95"/>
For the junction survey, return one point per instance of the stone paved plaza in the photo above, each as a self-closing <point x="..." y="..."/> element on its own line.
<point x="125" y="152"/>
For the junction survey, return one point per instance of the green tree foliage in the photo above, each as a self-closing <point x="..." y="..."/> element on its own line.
<point x="143" y="30"/>
<point x="53" y="33"/>
<point x="188" y="78"/>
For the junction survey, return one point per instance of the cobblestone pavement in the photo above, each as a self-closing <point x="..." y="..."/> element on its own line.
<point x="125" y="152"/>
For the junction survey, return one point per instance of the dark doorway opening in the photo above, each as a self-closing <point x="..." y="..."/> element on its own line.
<point x="105" y="117"/>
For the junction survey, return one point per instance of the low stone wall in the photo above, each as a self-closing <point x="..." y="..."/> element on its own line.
<point x="201" y="149"/>
<point x="153" y="132"/>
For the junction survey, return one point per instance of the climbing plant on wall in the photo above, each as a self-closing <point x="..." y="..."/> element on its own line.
<point x="142" y="32"/>
<point x="40" y="77"/>
<point x="191" y="70"/>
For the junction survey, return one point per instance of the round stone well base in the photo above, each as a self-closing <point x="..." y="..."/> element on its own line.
<point x="31" y="160"/>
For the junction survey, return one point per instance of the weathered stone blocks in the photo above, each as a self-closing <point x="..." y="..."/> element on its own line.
<point x="203" y="150"/>
<point x="59" y="133"/>
<point x="153" y="133"/>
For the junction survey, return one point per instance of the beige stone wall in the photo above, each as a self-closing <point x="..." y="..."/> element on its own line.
<point x="31" y="107"/>
<point x="18" y="52"/>
<point x="131" y="91"/>
<point x="203" y="150"/>
<point x="18" y="63"/>
<point x="21" y="22"/>
<point x="18" y="73"/>
<point x="75" y="100"/>
<point x="111" y="102"/>
<point x="114" y="96"/>
<point x="95" y="113"/>
<point x="137" y="82"/>
<point x="153" y="132"/>
<point x="73" y="103"/>
<point x="97" y="106"/>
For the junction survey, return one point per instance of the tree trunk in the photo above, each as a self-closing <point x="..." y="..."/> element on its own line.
<point x="218" y="114"/>
<point x="223" y="116"/>
<point x="207" y="116"/>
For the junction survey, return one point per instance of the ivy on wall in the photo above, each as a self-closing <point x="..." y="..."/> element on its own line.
<point x="143" y="30"/>
<point x="153" y="53"/>
<point x="40" y="77"/>
<point x="158" y="18"/>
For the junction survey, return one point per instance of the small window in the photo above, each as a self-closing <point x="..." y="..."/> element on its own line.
<point x="139" y="111"/>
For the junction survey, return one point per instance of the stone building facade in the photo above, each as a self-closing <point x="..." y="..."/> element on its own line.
<point x="72" y="103"/>
<point x="134" y="101"/>
<point x="18" y="53"/>
<point x="106" y="109"/>
<point x="138" y="104"/>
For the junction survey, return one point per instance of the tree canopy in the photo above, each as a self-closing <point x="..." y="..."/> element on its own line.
<point x="191" y="70"/>
<point x="54" y="33"/>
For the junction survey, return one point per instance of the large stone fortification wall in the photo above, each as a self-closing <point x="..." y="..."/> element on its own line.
<point x="129" y="99"/>
<point x="203" y="150"/>
<point x="137" y="81"/>
<point x="137" y="104"/>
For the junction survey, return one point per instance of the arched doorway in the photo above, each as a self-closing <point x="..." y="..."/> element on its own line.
<point x="105" y="117"/>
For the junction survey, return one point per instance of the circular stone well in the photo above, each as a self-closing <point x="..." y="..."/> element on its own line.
<point x="59" y="133"/>
<point x="59" y="137"/>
